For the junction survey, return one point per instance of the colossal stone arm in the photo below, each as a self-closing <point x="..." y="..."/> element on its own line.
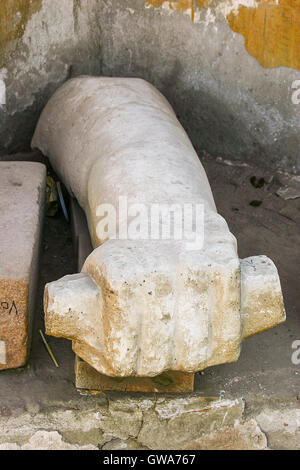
<point x="143" y="306"/>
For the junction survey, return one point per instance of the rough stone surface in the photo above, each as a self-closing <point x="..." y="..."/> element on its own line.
<point x="143" y="306"/>
<point x="46" y="440"/>
<point x="178" y="422"/>
<point x="282" y="427"/>
<point x="118" y="444"/>
<point x="22" y="190"/>
<point x="126" y="423"/>
<point x="261" y="296"/>
<point x="246" y="436"/>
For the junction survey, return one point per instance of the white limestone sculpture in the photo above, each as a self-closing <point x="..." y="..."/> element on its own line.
<point x="141" y="307"/>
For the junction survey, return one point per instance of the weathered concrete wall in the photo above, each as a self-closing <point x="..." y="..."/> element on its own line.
<point x="42" y="43"/>
<point x="227" y="66"/>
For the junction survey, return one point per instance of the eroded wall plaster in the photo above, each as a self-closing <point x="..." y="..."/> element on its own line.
<point x="229" y="73"/>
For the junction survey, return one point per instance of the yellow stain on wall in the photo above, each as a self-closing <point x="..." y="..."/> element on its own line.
<point x="271" y="30"/>
<point x="14" y="15"/>
<point x="179" y="5"/>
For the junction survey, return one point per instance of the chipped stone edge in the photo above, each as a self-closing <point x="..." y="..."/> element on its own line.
<point x="118" y="424"/>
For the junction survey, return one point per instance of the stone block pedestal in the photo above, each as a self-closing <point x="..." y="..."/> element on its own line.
<point x="22" y="191"/>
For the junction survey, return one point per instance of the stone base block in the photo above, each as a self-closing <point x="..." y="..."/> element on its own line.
<point x="22" y="190"/>
<point x="170" y="382"/>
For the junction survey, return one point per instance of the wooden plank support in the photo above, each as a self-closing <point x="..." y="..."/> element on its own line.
<point x="88" y="378"/>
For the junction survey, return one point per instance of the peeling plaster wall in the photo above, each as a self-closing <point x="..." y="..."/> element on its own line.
<point x="227" y="66"/>
<point x="14" y="15"/>
<point x="271" y="28"/>
<point x="42" y="44"/>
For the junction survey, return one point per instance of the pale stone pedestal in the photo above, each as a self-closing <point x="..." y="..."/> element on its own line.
<point x="22" y="192"/>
